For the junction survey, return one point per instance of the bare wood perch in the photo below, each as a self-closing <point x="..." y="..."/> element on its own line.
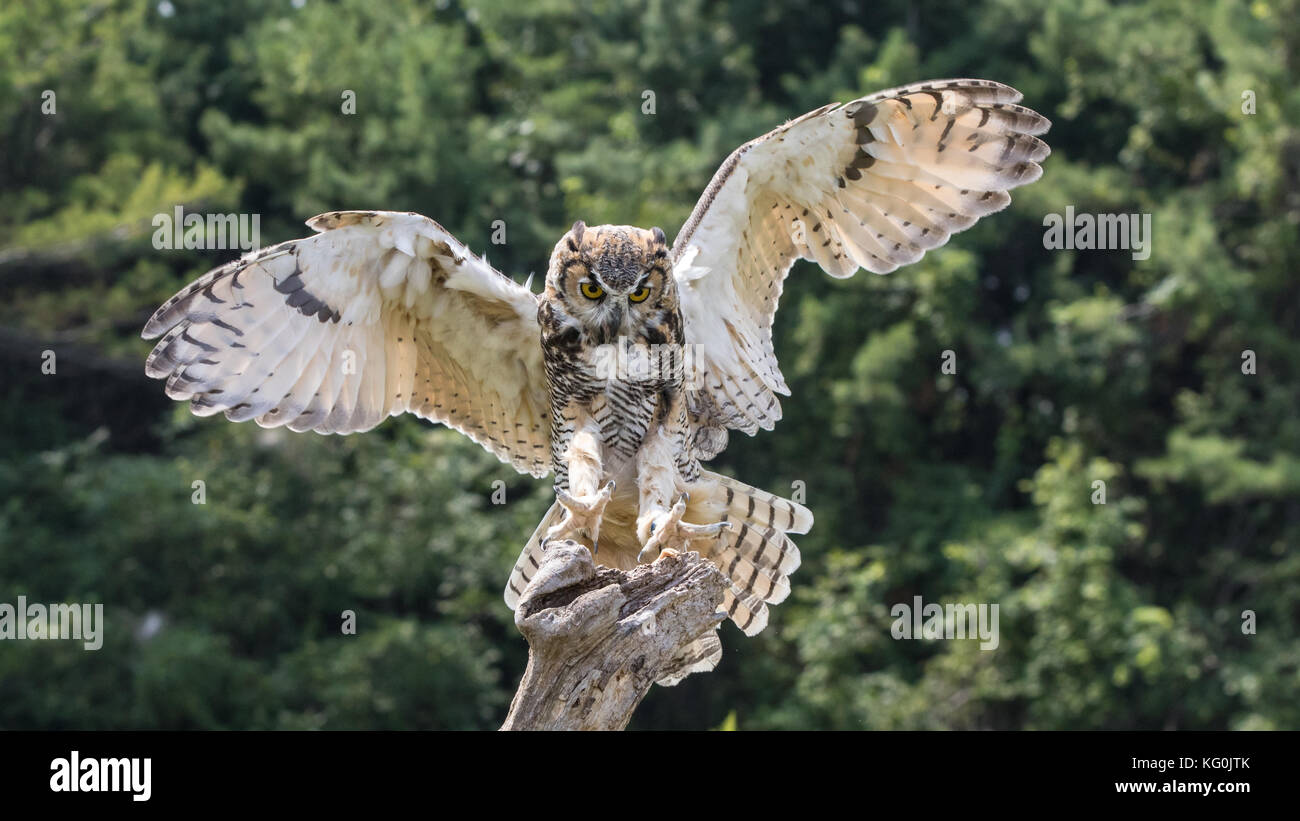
<point x="598" y="638"/>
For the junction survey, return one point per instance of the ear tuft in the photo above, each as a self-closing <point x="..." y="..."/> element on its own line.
<point x="659" y="235"/>
<point x="578" y="228"/>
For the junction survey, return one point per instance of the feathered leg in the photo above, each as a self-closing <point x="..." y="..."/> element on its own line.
<point x="659" y="527"/>
<point x="584" y="505"/>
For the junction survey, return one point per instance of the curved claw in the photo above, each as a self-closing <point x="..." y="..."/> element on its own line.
<point x="703" y="531"/>
<point x="674" y="535"/>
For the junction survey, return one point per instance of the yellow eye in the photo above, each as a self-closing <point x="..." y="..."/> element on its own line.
<point x="591" y="290"/>
<point x="640" y="294"/>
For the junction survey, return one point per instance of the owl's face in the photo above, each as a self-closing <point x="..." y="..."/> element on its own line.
<point x="615" y="280"/>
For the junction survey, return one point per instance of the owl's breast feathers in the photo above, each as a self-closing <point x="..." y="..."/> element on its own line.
<point x="625" y="386"/>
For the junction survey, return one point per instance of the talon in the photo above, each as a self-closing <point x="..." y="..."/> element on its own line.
<point x="581" y="515"/>
<point x="704" y="531"/>
<point x="670" y="536"/>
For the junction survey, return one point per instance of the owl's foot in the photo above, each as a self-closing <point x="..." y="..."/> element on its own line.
<point x="582" y="516"/>
<point x="669" y="535"/>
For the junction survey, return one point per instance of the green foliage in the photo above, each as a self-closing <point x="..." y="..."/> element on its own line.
<point x="974" y="486"/>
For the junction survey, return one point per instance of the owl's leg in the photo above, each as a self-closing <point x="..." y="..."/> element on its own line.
<point x="659" y="527"/>
<point x="584" y="505"/>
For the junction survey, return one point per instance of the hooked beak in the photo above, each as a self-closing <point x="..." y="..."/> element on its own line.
<point x="613" y="323"/>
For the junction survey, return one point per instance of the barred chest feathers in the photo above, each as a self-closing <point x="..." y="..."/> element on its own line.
<point x="624" y="386"/>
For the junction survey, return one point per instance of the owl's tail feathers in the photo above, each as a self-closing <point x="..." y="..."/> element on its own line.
<point x="530" y="558"/>
<point x="700" y="656"/>
<point x="757" y="554"/>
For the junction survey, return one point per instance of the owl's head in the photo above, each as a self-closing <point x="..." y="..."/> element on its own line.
<point x="614" y="280"/>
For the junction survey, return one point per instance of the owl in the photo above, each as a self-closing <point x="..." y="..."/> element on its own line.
<point x="628" y="371"/>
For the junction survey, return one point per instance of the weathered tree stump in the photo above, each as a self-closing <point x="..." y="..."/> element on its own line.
<point x="598" y="638"/>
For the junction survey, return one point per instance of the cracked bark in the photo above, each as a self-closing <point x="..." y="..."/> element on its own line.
<point x="598" y="638"/>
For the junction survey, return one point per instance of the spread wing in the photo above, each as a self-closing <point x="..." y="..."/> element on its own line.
<point x="377" y="314"/>
<point x="872" y="184"/>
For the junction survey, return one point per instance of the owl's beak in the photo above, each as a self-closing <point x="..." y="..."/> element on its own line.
<point x="613" y="323"/>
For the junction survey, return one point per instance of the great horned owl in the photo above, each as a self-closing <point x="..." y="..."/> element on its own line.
<point x="382" y="313"/>
<point x="616" y="359"/>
